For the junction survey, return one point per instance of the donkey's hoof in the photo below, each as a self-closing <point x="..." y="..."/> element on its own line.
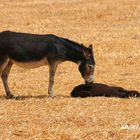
<point x="51" y="96"/>
<point x="10" y="96"/>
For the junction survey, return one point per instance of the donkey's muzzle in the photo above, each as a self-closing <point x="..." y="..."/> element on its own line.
<point x="89" y="80"/>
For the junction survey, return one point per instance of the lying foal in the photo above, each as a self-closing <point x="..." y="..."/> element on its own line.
<point x="98" y="89"/>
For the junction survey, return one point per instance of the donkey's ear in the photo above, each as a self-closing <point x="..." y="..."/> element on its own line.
<point x="85" y="52"/>
<point x="90" y="46"/>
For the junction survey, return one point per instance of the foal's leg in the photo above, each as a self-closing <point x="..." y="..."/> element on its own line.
<point x="4" y="76"/>
<point x="52" y="70"/>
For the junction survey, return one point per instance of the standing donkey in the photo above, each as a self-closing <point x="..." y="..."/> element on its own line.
<point x="31" y="51"/>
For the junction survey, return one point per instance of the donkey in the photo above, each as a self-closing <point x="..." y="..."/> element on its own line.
<point x="32" y="51"/>
<point x="99" y="89"/>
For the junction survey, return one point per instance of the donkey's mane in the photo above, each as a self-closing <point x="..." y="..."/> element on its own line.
<point x="74" y="45"/>
<point x="73" y="42"/>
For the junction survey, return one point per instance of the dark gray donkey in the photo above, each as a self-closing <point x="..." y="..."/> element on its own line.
<point x="31" y="51"/>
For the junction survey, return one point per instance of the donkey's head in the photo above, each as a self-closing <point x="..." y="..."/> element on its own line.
<point x="86" y="66"/>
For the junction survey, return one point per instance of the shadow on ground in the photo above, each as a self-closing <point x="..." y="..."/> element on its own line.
<point x="33" y="97"/>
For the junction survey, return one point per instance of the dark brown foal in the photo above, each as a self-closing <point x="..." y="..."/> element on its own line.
<point x="98" y="89"/>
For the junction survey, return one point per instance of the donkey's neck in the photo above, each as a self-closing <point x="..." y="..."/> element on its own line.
<point x="74" y="51"/>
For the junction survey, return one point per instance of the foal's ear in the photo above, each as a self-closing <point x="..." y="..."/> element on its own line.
<point x="90" y="46"/>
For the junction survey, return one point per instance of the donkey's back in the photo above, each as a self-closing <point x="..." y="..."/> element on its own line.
<point x="27" y="47"/>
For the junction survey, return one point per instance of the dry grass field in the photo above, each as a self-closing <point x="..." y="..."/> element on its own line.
<point x="113" y="27"/>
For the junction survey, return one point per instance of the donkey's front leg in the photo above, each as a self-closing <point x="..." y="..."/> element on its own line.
<point x="52" y="70"/>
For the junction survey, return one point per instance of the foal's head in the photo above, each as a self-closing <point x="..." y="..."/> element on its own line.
<point x="87" y="65"/>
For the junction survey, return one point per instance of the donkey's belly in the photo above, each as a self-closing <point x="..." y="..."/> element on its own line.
<point x="31" y="64"/>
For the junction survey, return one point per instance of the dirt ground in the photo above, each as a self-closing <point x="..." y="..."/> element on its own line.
<point x="113" y="27"/>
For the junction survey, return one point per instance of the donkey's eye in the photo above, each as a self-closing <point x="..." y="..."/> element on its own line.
<point x="90" y="66"/>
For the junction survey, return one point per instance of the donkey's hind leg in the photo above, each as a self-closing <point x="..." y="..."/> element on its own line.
<point x="4" y="76"/>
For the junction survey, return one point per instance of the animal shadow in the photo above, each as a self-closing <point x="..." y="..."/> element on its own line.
<point x="99" y="89"/>
<point x="33" y="97"/>
<point x="24" y="97"/>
